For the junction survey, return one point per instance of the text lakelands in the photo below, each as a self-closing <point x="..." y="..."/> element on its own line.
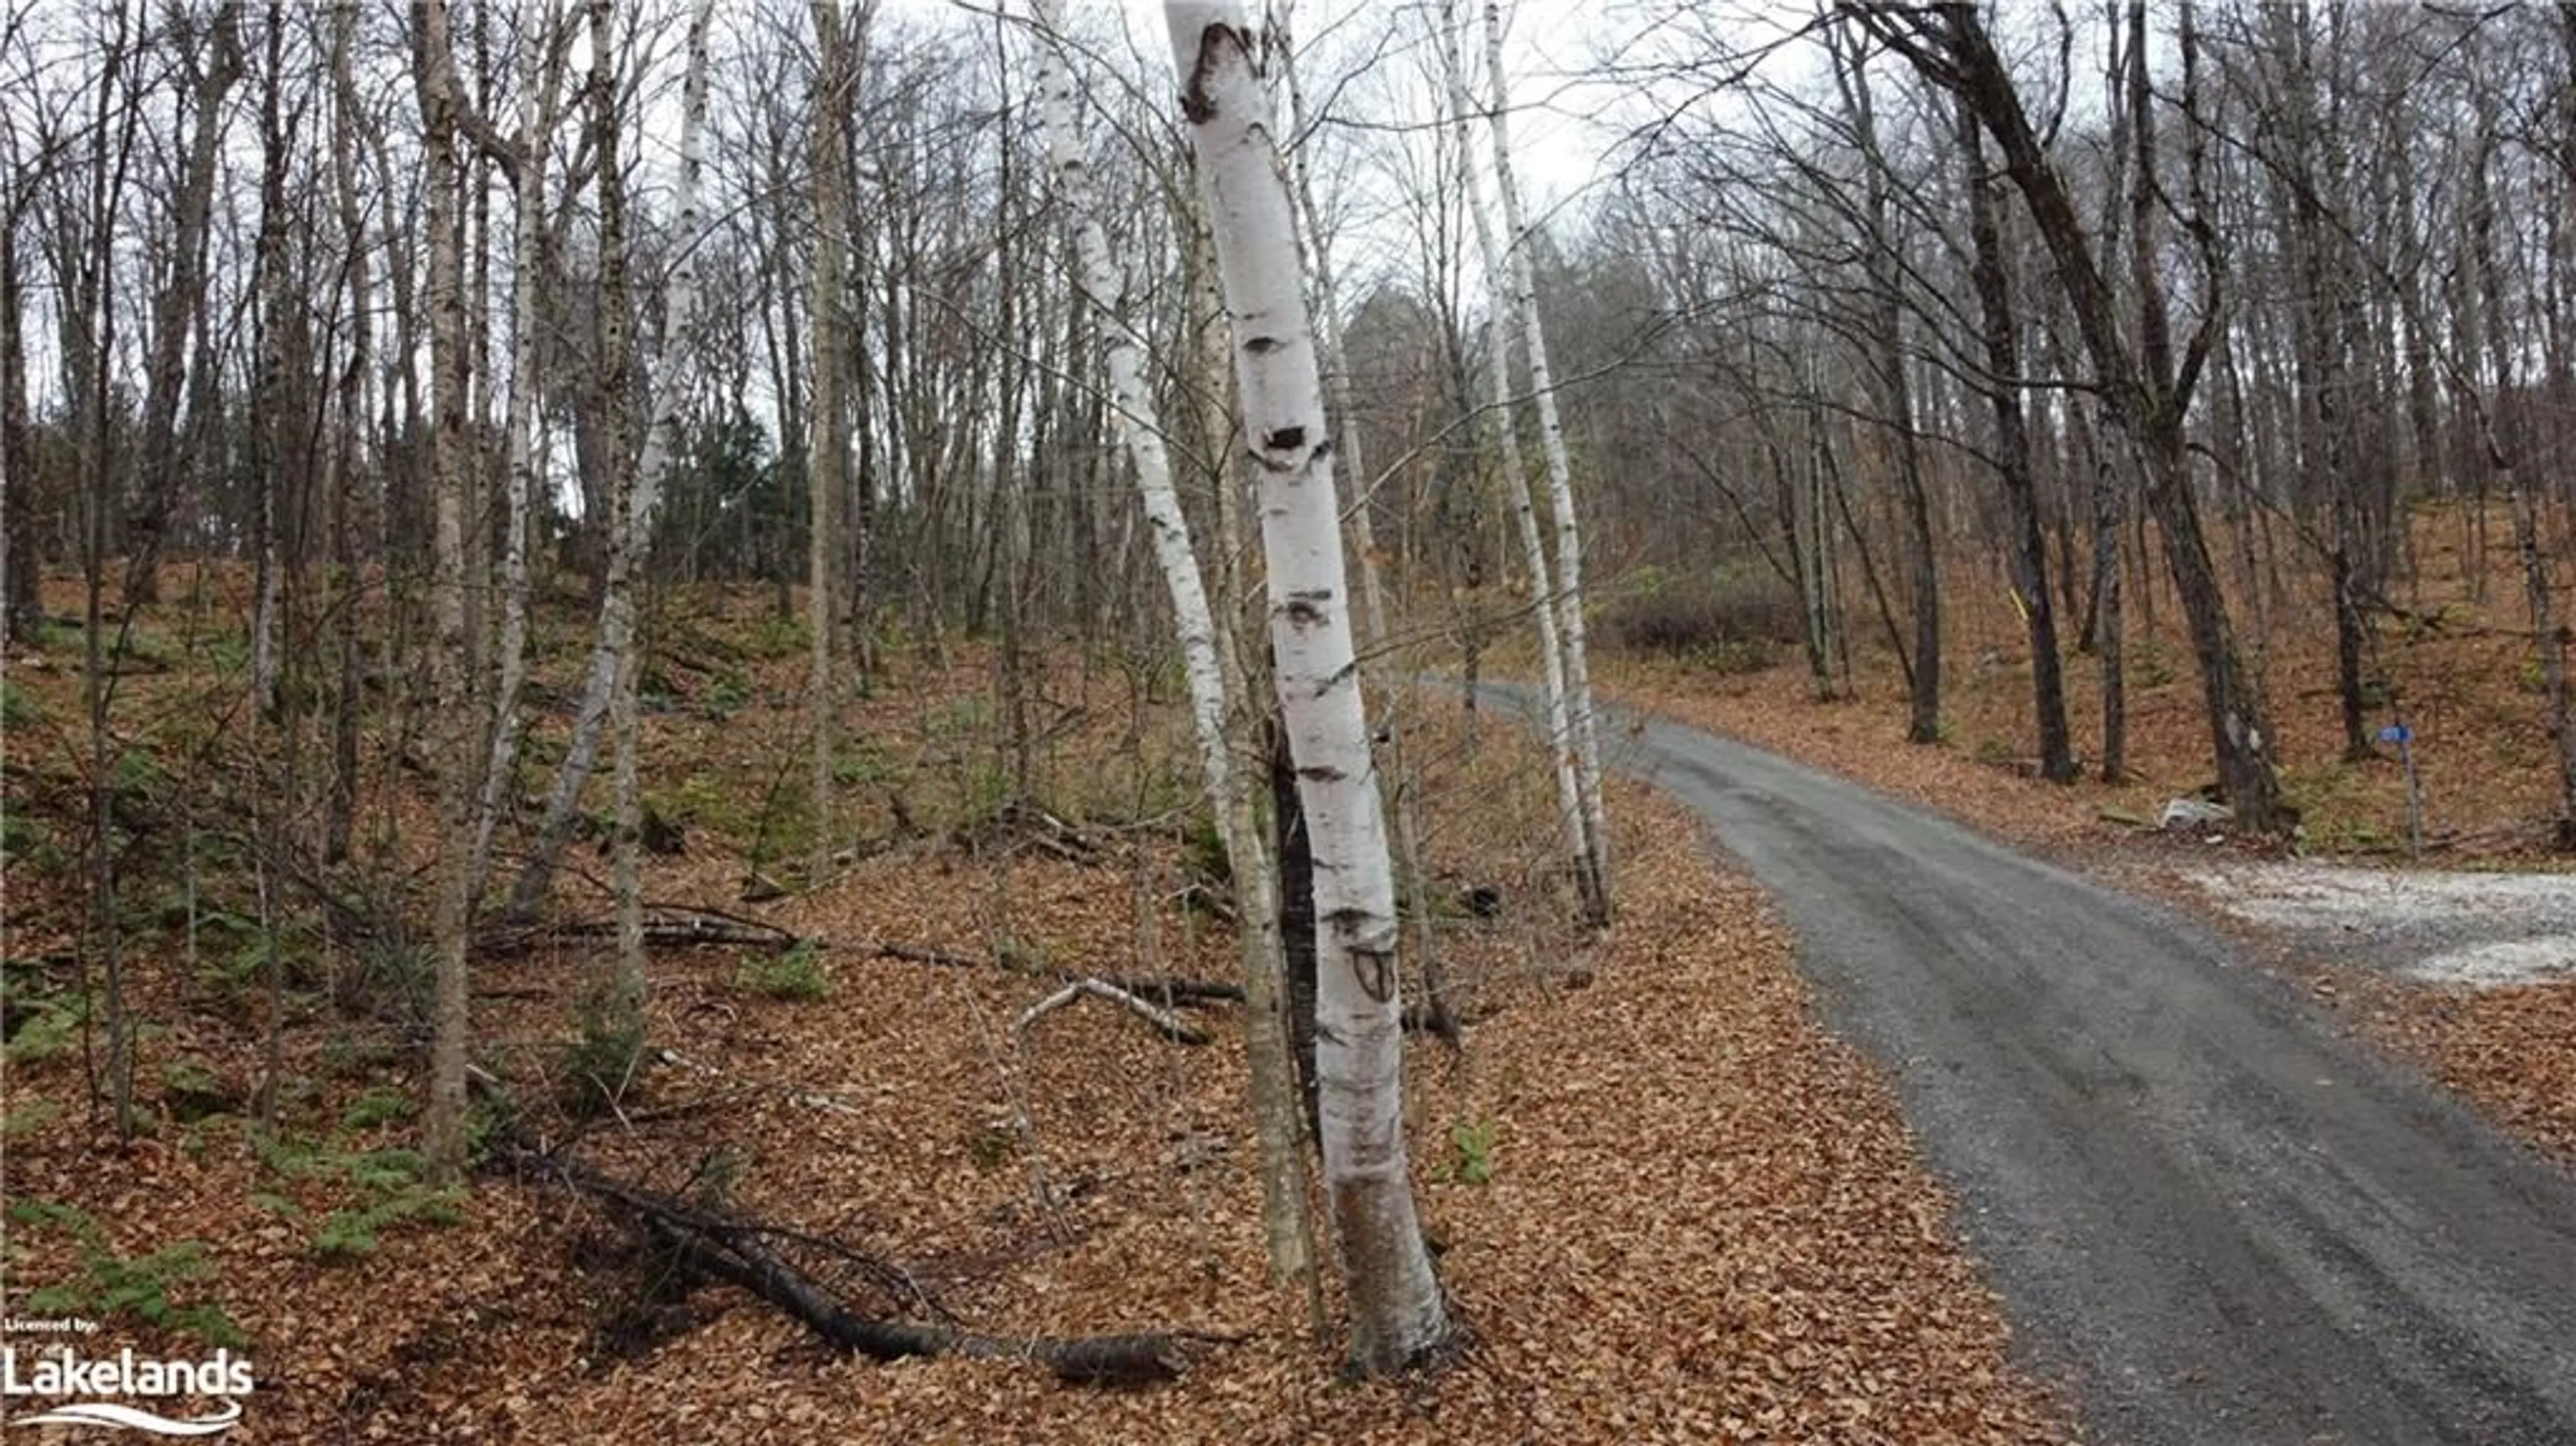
<point x="68" y="1373"/>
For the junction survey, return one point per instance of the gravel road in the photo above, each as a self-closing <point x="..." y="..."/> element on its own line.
<point x="2214" y="1220"/>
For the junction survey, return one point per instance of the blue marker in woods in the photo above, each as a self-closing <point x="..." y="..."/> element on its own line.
<point x="2404" y="738"/>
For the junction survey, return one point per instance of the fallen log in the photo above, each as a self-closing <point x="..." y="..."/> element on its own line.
<point x="674" y="926"/>
<point x="730" y="1250"/>
<point x="1117" y="1360"/>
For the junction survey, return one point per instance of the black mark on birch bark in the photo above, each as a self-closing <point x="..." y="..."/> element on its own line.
<point x="1196" y="103"/>
<point x="1375" y="970"/>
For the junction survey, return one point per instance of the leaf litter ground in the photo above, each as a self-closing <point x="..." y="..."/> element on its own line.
<point x="1670" y="1207"/>
<point x="2456" y="665"/>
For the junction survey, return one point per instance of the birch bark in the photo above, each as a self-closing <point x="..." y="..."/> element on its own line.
<point x="631" y="526"/>
<point x="1398" y="1316"/>
<point x="1516" y="482"/>
<point x="1594" y="874"/>
<point x="1139" y="428"/>
<point x="636" y="495"/>
<point x="1390" y="674"/>
<point x="539" y="75"/>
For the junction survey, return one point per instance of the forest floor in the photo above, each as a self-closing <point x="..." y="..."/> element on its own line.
<point x="1671" y="1206"/>
<point x="2456" y="668"/>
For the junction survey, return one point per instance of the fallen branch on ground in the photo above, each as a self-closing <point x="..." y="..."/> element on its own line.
<point x="1152" y="986"/>
<point x="1171" y="1026"/>
<point x="730" y="1250"/>
<point x="808" y="1099"/>
<point x="674" y="926"/>
<point x="1021" y="821"/>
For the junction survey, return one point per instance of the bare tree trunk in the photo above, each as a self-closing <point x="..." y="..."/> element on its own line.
<point x="457" y="748"/>
<point x="1568" y="597"/>
<point x="91" y="373"/>
<point x="2012" y="458"/>
<point x="1799" y="497"/>
<point x="272" y="431"/>
<point x="629" y="529"/>
<point x="270" y="427"/>
<point x="625" y="1001"/>
<point x="21" y="606"/>
<point x="342" y="446"/>
<point x="1805" y="495"/>
<point x="218" y="62"/>
<point x="2110" y="623"/>
<point x="1378" y="639"/>
<point x="828" y="444"/>
<point x="1826" y="466"/>
<point x="2319" y="355"/>
<point x="2106" y="630"/>
<point x="1398" y="1316"/>
<point x="2150" y="389"/>
<point x="2504" y="450"/>
<point x="2552" y="636"/>
<point x="1895" y="402"/>
<point x="1256" y="881"/>
<point x="2240" y="729"/>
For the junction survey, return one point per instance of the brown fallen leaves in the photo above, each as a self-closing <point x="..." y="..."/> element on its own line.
<point x="1671" y="1208"/>
<point x="2511" y="1050"/>
<point x="2458" y="660"/>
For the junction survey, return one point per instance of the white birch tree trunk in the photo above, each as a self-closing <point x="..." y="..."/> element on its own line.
<point x="1516" y="482"/>
<point x="1377" y="623"/>
<point x="638" y="495"/>
<point x="1391" y="676"/>
<point x="1398" y="1316"/>
<point x="1256" y="880"/>
<point x="631" y="528"/>
<point x="538" y="77"/>
<point x="1568" y="598"/>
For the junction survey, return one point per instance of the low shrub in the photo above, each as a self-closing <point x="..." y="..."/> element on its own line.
<point x="606" y="1058"/>
<point x="1734" y="621"/>
<point x="795" y="974"/>
<point x="138" y="1288"/>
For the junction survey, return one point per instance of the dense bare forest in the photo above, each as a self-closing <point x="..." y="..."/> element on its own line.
<point x="544" y="539"/>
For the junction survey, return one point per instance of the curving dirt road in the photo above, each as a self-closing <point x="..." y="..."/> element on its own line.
<point x="2212" y="1218"/>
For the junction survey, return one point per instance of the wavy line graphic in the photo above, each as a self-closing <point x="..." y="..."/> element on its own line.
<point x="106" y="1413"/>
